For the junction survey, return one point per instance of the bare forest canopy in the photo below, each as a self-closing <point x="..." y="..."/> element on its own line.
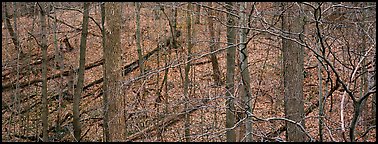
<point x="189" y="71"/>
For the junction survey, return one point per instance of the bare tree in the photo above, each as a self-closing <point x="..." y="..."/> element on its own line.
<point x="231" y="41"/>
<point x="19" y="52"/>
<point x="59" y="57"/>
<point x="80" y="80"/>
<point x="246" y="92"/>
<point x="320" y="82"/>
<point x="187" y="69"/>
<point x="372" y="83"/>
<point x="364" y="77"/>
<point x="112" y="57"/>
<point x="213" y="56"/>
<point x="293" y="74"/>
<point x="105" y="87"/>
<point x="138" y="35"/>
<point x="44" y="73"/>
<point x="337" y="41"/>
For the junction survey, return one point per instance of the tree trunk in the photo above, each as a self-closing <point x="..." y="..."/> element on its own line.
<point x="198" y="14"/>
<point x="231" y="34"/>
<point x="320" y="100"/>
<point x="245" y="87"/>
<point x="19" y="52"/>
<point x="140" y="56"/>
<point x="187" y="68"/>
<point x="104" y="88"/>
<point x="30" y="69"/>
<point x="373" y="104"/>
<point x="213" y="56"/>
<point x="12" y="32"/>
<point x="293" y="75"/>
<point x="139" y="48"/>
<point x="60" y="66"/>
<point x="80" y="80"/>
<point x="174" y="32"/>
<point x="112" y="57"/>
<point x="360" y="104"/>
<point x="158" y="100"/>
<point x="320" y="84"/>
<point x="364" y="78"/>
<point x="44" y="74"/>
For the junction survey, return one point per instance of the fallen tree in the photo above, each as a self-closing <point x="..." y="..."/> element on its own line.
<point x="126" y="69"/>
<point x="34" y="81"/>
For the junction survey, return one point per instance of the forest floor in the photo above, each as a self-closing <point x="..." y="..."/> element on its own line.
<point x="207" y="123"/>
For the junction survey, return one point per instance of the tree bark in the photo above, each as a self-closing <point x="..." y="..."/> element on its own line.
<point x="19" y="53"/>
<point x="112" y="57"/>
<point x="231" y="34"/>
<point x="104" y="88"/>
<point x="293" y="74"/>
<point x="320" y="100"/>
<point x="44" y="74"/>
<point x="364" y="78"/>
<point x="320" y="83"/>
<point x="137" y="34"/>
<point x="373" y="104"/>
<point x="187" y="69"/>
<point x="80" y="80"/>
<point x="244" y="72"/>
<point x="59" y="57"/>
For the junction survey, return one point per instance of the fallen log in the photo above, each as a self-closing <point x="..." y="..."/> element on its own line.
<point x="126" y="69"/>
<point x="65" y="73"/>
